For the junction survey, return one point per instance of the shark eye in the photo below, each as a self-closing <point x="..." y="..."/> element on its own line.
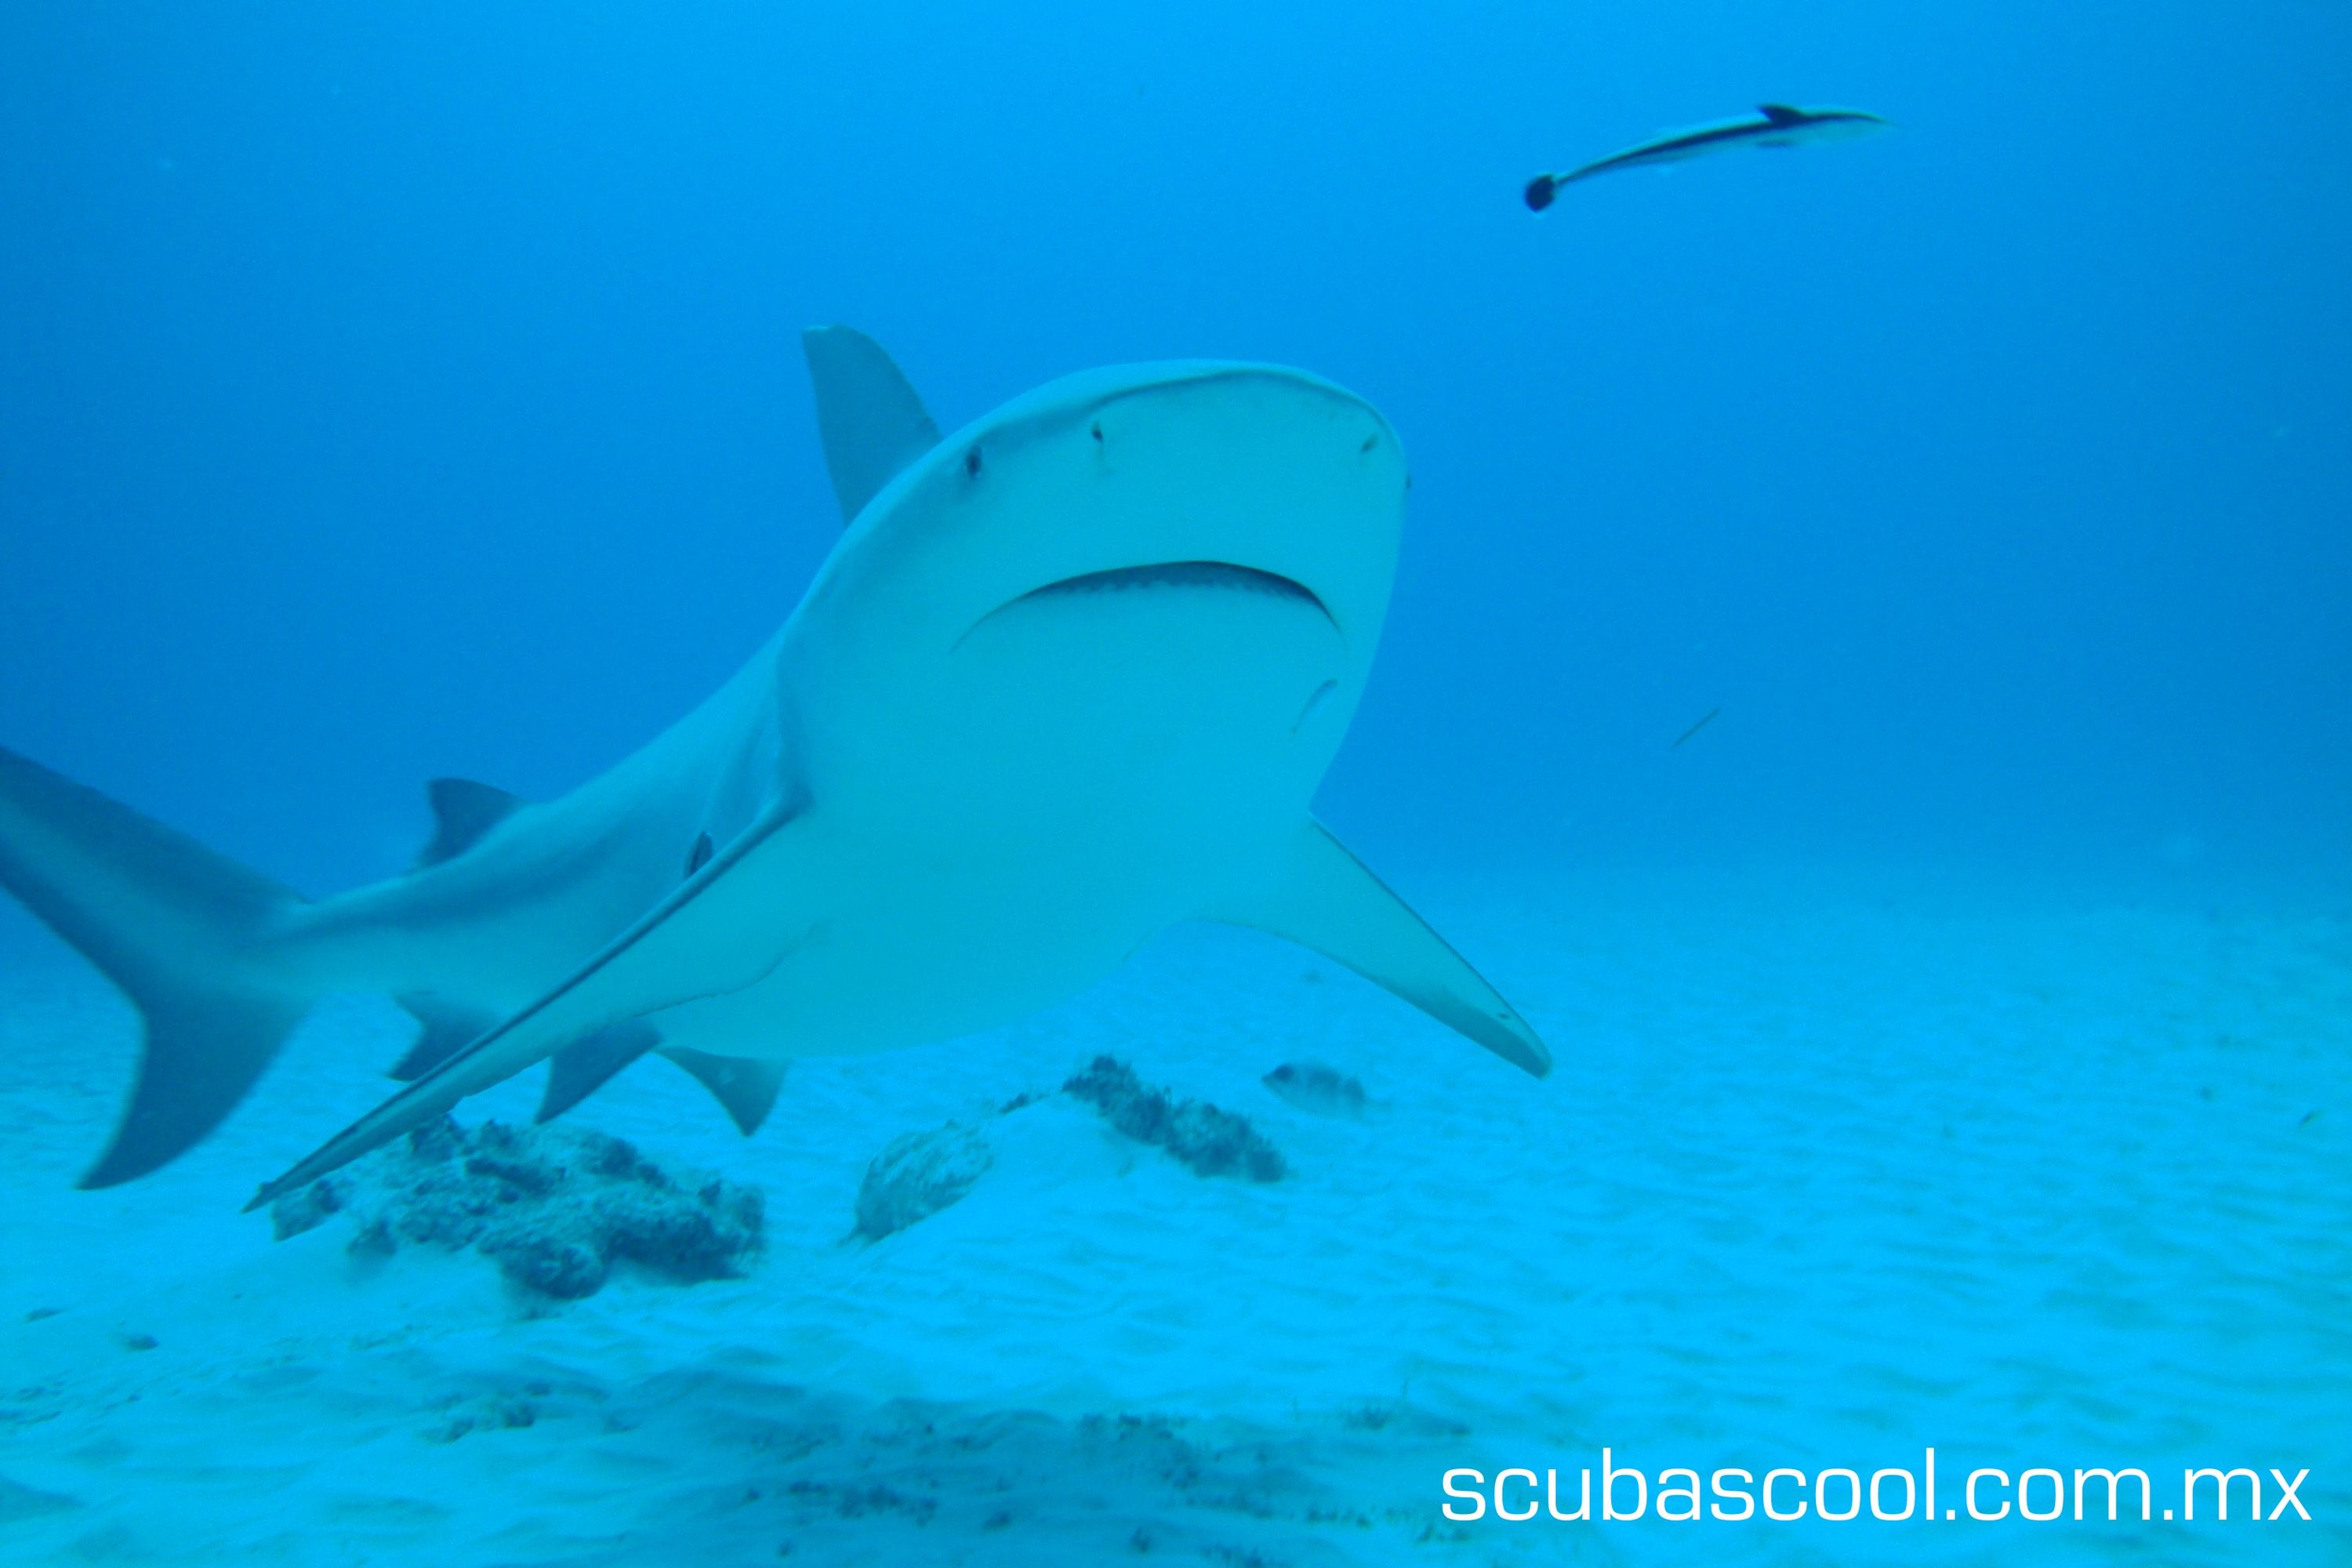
<point x="972" y="462"/>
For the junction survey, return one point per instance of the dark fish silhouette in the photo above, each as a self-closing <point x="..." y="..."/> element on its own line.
<point x="1773" y="125"/>
<point x="1694" y="729"/>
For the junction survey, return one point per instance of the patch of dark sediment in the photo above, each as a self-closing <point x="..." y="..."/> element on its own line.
<point x="1204" y="1138"/>
<point x="917" y="1175"/>
<point x="557" y="1208"/>
<point x="728" y="1466"/>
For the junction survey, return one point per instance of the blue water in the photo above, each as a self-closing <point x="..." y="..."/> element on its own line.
<point x="415" y="392"/>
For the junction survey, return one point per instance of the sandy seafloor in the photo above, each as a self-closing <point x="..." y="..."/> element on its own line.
<point x="1832" y="1168"/>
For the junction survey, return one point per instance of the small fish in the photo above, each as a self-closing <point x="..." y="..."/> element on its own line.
<point x="1318" y="1089"/>
<point x="1774" y="125"/>
<point x="1694" y="729"/>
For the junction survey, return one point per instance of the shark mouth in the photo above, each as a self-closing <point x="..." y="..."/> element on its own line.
<point x="1191" y="574"/>
<point x="1161" y="576"/>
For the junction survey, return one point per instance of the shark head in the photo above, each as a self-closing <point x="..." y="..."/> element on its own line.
<point x="1279" y="476"/>
<point x="1174" y="570"/>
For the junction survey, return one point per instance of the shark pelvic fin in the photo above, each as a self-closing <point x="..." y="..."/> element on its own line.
<point x="447" y="1030"/>
<point x="871" y="420"/>
<point x="586" y="1064"/>
<point x="1322" y="897"/>
<point x="744" y="1086"/>
<point x="462" y="812"/>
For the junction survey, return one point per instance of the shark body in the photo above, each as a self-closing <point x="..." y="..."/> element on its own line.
<point x="1773" y="125"/>
<point x="1071" y="674"/>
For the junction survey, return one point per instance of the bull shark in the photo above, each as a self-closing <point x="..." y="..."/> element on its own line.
<point x="1069" y="676"/>
<point x="1773" y="125"/>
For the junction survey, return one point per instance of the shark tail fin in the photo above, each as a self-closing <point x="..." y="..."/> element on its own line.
<point x="189" y="936"/>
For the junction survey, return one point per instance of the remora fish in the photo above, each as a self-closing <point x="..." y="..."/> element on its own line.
<point x="1069" y="676"/>
<point x="1774" y="125"/>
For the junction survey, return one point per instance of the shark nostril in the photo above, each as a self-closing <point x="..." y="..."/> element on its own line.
<point x="971" y="463"/>
<point x="1095" y="431"/>
<point x="1370" y="442"/>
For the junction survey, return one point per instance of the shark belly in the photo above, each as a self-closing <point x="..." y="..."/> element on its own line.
<point x="1086" y="766"/>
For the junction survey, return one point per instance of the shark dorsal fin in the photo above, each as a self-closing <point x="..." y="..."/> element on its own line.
<point x="872" y="421"/>
<point x="462" y="812"/>
<point x="1780" y="114"/>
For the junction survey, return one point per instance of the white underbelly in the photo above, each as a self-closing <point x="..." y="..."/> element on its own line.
<point x="931" y="951"/>
<point x="1080" y="771"/>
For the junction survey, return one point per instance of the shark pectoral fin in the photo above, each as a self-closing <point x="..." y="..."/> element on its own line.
<point x="585" y="1066"/>
<point x="744" y="1085"/>
<point x="871" y="421"/>
<point x="1321" y="896"/>
<point x="717" y="932"/>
